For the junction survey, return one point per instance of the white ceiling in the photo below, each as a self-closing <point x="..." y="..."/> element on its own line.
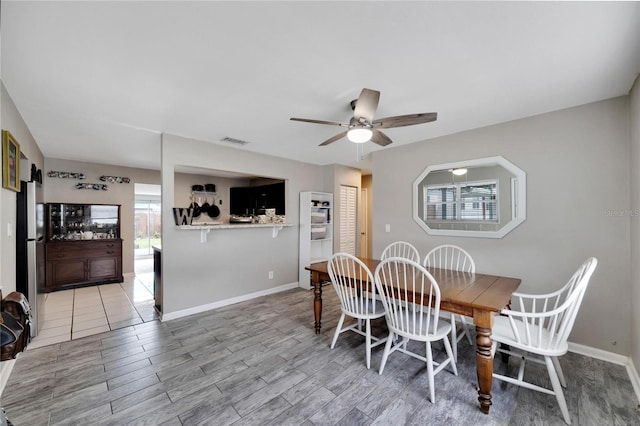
<point x="100" y="81"/>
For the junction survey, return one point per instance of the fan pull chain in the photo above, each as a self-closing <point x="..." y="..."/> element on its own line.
<point x="359" y="152"/>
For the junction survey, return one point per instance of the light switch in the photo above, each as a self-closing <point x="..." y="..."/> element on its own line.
<point x="9" y="230"/>
<point x="387" y="227"/>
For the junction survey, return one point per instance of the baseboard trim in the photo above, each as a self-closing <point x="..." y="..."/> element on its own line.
<point x="215" y="305"/>
<point x="129" y="275"/>
<point x="598" y="354"/>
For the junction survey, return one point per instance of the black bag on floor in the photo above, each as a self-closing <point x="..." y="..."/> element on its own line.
<point x="15" y="325"/>
<point x="10" y="336"/>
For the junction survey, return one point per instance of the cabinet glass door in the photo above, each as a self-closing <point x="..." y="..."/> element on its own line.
<point x="83" y="221"/>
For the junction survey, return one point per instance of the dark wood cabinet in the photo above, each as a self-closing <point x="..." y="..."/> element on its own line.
<point x="74" y="263"/>
<point x="83" y="245"/>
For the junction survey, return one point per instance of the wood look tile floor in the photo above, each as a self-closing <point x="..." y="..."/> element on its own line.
<point x="260" y="363"/>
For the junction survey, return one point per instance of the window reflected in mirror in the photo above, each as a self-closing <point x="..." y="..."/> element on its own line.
<point x="483" y="198"/>
<point x="468" y="201"/>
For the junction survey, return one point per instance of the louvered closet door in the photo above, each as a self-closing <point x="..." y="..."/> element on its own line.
<point x="348" y="218"/>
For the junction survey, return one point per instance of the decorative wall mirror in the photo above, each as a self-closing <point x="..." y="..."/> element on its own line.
<point x="484" y="197"/>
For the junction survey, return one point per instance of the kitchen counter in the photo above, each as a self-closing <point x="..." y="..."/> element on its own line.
<point x="235" y="225"/>
<point x="204" y="229"/>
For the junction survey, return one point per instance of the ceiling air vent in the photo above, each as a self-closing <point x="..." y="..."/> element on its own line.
<point x="233" y="140"/>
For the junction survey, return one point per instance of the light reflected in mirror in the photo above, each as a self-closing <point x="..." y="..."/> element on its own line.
<point x="474" y="198"/>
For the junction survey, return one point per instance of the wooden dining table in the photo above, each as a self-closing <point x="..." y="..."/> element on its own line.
<point x="479" y="296"/>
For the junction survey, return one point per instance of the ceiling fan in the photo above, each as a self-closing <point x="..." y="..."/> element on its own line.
<point x="363" y="128"/>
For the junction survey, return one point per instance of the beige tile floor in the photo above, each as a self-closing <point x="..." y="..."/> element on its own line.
<point x="72" y="314"/>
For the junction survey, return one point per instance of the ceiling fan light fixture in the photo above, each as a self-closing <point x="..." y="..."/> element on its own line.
<point x="361" y="125"/>
<point x="359" y="134"/>
<point x="459" y="171"/>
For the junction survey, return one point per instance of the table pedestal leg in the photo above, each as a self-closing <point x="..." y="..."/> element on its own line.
<point x="484" y="361"/>
<point x="317" y="300"/>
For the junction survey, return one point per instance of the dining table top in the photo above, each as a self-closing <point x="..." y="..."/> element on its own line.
<point x="460" y="292"/>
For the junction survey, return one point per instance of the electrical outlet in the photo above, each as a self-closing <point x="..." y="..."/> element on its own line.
<point x="270" y="275"/>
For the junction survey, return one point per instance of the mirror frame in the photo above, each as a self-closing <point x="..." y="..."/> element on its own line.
<point x="520" y="201"/>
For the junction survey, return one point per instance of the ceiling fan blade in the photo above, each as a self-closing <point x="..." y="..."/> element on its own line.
<point x="333" y="139"/>
<point x="405" y="120"/>
<point x="367" y="104"/>
<point x="331" y="123"/>
<point x="380" y="138"/>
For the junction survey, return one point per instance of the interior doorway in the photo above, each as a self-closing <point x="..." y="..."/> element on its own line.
<point x="147" y="225"/>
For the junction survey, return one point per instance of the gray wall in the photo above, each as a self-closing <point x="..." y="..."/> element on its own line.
<point x="12" y="121"/>
<point x="58" y="190"/>
<point x="577" y="168"/>
<point x="635" y="222"/>
<point x="232" y="262"/>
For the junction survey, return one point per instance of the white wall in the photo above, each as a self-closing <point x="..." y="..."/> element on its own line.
<point x="58" y="190"/>
<point x="577" y="168"/>
<point x="635" y="222"/>
<point x="234" y="262"/>
<point x="12" y="121"/>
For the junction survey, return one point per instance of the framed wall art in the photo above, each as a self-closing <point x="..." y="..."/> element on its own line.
<point x="10" y="162"/>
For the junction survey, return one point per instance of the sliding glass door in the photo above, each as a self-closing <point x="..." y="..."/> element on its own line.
<point x="147" y="228"/>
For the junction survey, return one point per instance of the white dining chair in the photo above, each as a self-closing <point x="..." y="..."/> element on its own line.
<point x="401" y="249"/>
<point x="454" y="258"/>
<point x="350" y="276"/>
<point x="399" y="279"/>
<point x="540" y="325"/>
